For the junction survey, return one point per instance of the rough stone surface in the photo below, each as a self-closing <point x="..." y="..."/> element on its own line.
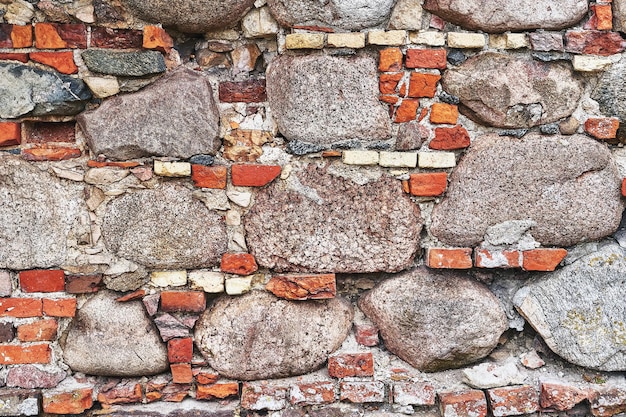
<point x="37" y="214"/>
<point x="30" y="91"/>
<point x="332" y="224"/>
<point x="30" y="376"/>
<point x="190" y="15"/>
<point x="610" y="93"/>
<point x="495" y="16"/>
<point x="435" y="320"/>
<point x="259" y="336"/>
<point x="343" y="14"/>
<point x="567" y="185"/>
<point x="502" y="91"/>
<point x="586" y="325"/>
<point x="156" y="120"/>
<point x="126" y="64"/>
<point x="114" y="339"/>
<point x="323" y="99"/>
<point x="619" y="15"/>
<point x="194" y="237"/>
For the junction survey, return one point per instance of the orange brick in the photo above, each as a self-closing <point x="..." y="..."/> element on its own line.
<point x="312" y="393"/>
<point x="68" y="402"/>
<point x="423" y="85"/>
<point x="155" y="37"/>
<point x="450" y="138"/>
<point x="238" y="263"/>
<point x="544" y="259"/>
<point x="602" y="127"/>
<point x="20" y="307"/>
<point x="449" y="258"/>
<point x="123" y="393"/>
<point x="331" y="154"/>
<point x="351" y="364"/>
<point x="463" y="404"/>
<point x="561" y="397"/>
<point x="390" y="59"/>
<point x="124" y="164"/>
<point x="209" y="176"/>
<point x="42" y="280"/>
<point x="388" y="83"/>
<point x="254" y="175"/>
<point x="602" y="18"/>
<point x="389" y="99"/>
<point x="303" y="287"/>
<point x="222" y="390"/>
<point x="62" y="307"/>
<point x="485" y="258"/>
<point x="38" y="331"/>
<point x="22" y="36"/>
<point x="180" y="350"/>
<point x="205" y="378"/>
<point x="61" y="61"/>
<point x="426" y="58"/>
<point x="47" y="37"/>
<point x="444" y="113"/>
<point x="624" y="187"/>
<point x="10" y="56"/>
<point x="513" y="401"/>
<point x="181" y="373"/>
<point x="45" y="153"/>
<point x="15" y="354"/>
<point x="428" y="184"/>
<point x="135" y="295"/>
<point x="407" y="110"/>
<point x="10" y="133"/>
<point x="183" y="301"/>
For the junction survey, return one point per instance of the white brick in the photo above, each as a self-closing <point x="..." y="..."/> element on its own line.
<point x="388" y="38"/>
<point x="238" y="286"/>
<point x="172" y="169"/>
<point x="466" y="40"/>
<point x="304" y="41"/>
<point x="346" y="40"/>
<point x="430" y="38"/>
<point x="209" y="281"/>
<point x="168" y="278"/>
<point x="398" y="159"/>
<point x="437" y="160"/>
<point x="360" y="157"/>
<point x="590" y="63"/>
<point x="516" y="40"/>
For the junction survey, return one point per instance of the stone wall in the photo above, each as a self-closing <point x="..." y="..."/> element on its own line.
<point x="303" y="208"/>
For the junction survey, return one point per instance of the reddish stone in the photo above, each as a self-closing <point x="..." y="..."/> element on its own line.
<point x="313" y="393"/>
<point x="175" y="392"/>
<point x="62" y="307"/>
<point x="209" y="176"/>
<point x="303" y="287"/>
<point x="42" y="280"/>
<point x="20" y="307"/>
<point x="254" y="175"/>
<point x="624" y="187"/>
<point x="125" y="393"/>
<point x="428" y="184"/>
<point x="513" y="401"/>
<point x="82" y="284"/>
<point x="362" y="392"/>
<point x="426" y="58"/>
<point x="22" y="36"/>
<point x="10" y="133"/>
<point x="44" y="153"/>
<point x="258" y="396"/>
<point x="560" y="397"/>
<point x="251" y="91"/>
<point x="69" y="402"/>
<point x="29" y="376"/>
<point x="135" y="295"/>
<point x="543" y="259"/>
<point x="102" y="37"/>
<point x="155" y="37"/>
<point x="43" y="132"/>
<point x="124" y="164"/>
<point x="181" y="373"/>
<point x="60" y="36"/>
<point x="546" y="41"/>
<point x="444" y="113"/>
<point x="602" y="17"/>
<point x="608" y="402"/>
<point x="423" y="85"/>
<point x="38" y="331"/>
<point x="180" y="350"/>
<point x="407" y="110"/>
<point x="449" y="258"/>
<point x="366" y="334"/>
<point x="390" y="59"/>
<point x="7" y="332"/>
<point x="351" y="364"/>
<point x="205" y="378"/>
<point x="16" y="354"/>
<point x="471" y="403"/>
<point x="450" y="138"/>
<point x="413" y="393"/>
<point x="183" y="301"/>
<point x="21" y="57"/>
<point x="60" y="61"/>
<point x="485" y="258"/>
<point x="602" y="127"/>
<point x="222" y="390"/>
<point x="388" y="83"/>
<point x="594" y="42"/>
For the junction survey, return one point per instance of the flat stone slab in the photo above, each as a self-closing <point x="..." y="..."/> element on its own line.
<point x="322" y="99"/>
<point x="503" y="91"/>
<point x="156" y="120"/>
<point x="435" y="320"/>
<point x="587" y="324"/>
<point x="258" y="336"/>
<point x="164" y="228"/>
<point x="330" y="223"/>
<point x="110" y="338"/>
<point x="125" y="64"/>
<point x="568" y="186"/>
<point x="496" y="16"/>
<point x="610" y="92"/>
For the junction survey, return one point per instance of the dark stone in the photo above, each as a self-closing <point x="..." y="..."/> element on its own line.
<point x="295" y="147"/>
<point x="125" y="64"/>
<point x="456" y="56"/>
<point x="107" y="12"/>
<point x="379" y="146"/>
<point x="102" y="37"/>
<point x="251" y="91"/>
<point x="551" y="129"/>
<point x="7" y="332"/>
<point x="202" y="160"/>
<point x="551" y="56"/>
<point x="448" y="98"/>
<point x="516" y="133"/>
<point x="610" y="92"/>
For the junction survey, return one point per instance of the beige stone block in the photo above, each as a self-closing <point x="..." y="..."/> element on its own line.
<point x="259" y="23"/>
<point x="466" y="40"/>
<point x="437" y="160"/>
<point x="346" y="40"/>
<point x="168" y="278"/>
<point x="387" y="38"/>
<point x="102" y="87"/>
<point x="591" y="63"/>
<point x="407" y="15"/>
<point x="430" y="38"/>
<point x="208" y="281"/>
<point x="516" y="40"/>
<point x="360" y="157"/>
<point x="304" y="41"/>
<point x="398" y="159"/>
<point x="172" y="169"/>
<point x="238" y="286"/>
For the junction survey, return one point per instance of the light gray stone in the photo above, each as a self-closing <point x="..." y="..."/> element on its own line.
<point x="610" y="92"/>
<point x="567" y="185"/>
<point x="435" y="320"/>
<point x="496" y="16"/>
<point x="586" y="325"/>
<point x="195" y="16"/>
<point x="113" y="339"/>
<point x="330" y="223"/>
<point x="164" y="228"/>
<point x="504" y="91"/>
<point x="259" y="336"/>
<point x="619" y="15"/>
<point x="186" y="408"/>
<point x="351" y="15"/>
<point x="37" y="214"/>
<point x="321" y="99"/>
<point x="490" y="375"/>
<point x="156" y="120"/>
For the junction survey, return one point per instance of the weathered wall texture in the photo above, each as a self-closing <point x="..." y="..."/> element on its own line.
<point x="303" y="208"/>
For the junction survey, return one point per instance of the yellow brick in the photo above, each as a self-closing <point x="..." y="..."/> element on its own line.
<point x="346" y="40"/>
<point x="388" y="38"/>
<point x="430" y="38"/>
<point x="516" y="40"/>
<point x="360" y="157"/>
<point x="304" y="41"/>
<point x="590" y="63"/>
<point x="466" y="40"/>
<point x="497" y="41"/>
<point x="172" y="169"/>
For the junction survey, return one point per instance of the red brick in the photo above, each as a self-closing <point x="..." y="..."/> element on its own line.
<point x="366" y="334"/>
<point x="390" y="59"/>
<point x="132" y="296"/>
<point x="44" y="153"/>
<point x="42" y="280"/>
<point x="426" y="58"/>
<point x="180" y="350"/>
<point x="38" y="331"/>
<point x="60" y="36"/>
<point x="602" y="18"/>
<point x="413" y="393"/>
<point x="444" y="113"/>
<point x="16" y="355"/>
<point x="513" y="401"/>
<point x="68" y="402"/>
<point x="183" y="301"/>
<point x="423" y="85"/>
<point x="238" y="263"/>
<point x="407" y="111"/>
<point x="602" y="127"/>
<point x="252" y="91"/>
<point x="181" y="373"/>
<point x="20" y="307"/>
<point x="209" y="176"/>
<point x="449" y="258"/>
<point x="217" y="391"/>
<point x="254" y="175"/>
<point x="608" y="401"/>
<point x="471" y="403"/>
<point x="624" y="187"/>
<point x="362" y="392"/>
<point x="10" y="133"/>
<point x="102" y="37"/>
<point x="594" y="42"/>
<point x="263" y="395"/>
<point x="155" y="37"/>
<point x="60" y="61"/>
<point x="450" y="138"/>
<point x="428" y="184"/>
<point x="123" y="164"/>
<point x="542" y="259"/>
<point x="351" y="364"/>
<point x="125" y="393"/>
<point x="17" y="56"/>
<point x="486" y="258"/>
<point x="22" y="36"/>
<point x="82" y="284"/>
<point x="44" y="132"/>
<point x="62" y="307"/>
<point x="303" y="287"/>
<point x="313" y="393"/>
<point x="388" y="83"/>
<point x="561" y="397"/>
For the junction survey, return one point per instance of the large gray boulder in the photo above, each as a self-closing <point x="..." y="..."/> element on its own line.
<point x="329" y="223"/>
<point x="610" y="92"/>
<point x="259" y="336"/>
<point x="110" y="338"/>
<point x="579" y="310"/>
<point x="164" y="228"/>
<point x="496" y="16"/>
<point x="504" y="91"/>
<point x="156" y="120"/>
<point x="323" y="99"/>
<point x="567" y="186"/>
<point x="435" y="320"/>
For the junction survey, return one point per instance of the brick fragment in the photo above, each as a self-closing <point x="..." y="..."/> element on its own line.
<point x="407" y="111"/>
<point x="7" y="332"/>
<point x="624" y="187"/>
<point x="60" y="61"/>
<point x="413" y="393"/>
<point x="10" y="133"/>
<point x="450" y="138"/>
<point x="38" y="331"/>
<point x="608" y="402"/>
<point x="389" y="99"/>
<point x="602" y="127"/>
<point x="303" y="287"/>
<point x="543" y="259"/>
<point x="62" y="307"/>
<point x="123" y="164"/>
<point x="592" y="42"/>
<point x="16" y="354"/>
<point x="44" y="153"/>
<point x="313" y="393"/>
<point x="183" y="301"/>
<point x="263" y="396"/>
<point x="22" y="36"/>
<point x="486" y="258"/>
<point x="426" y="58"/>
<point x="449" y="258"/>
<point x="205" y="378"/>
<point x="602" y="17"/>
<point x="128" y="392"/>
<point x="14" y="56"/>
<point x="180" y="350"/>
<point x="366" y="334"/>
<point x="238" y="263"/>
<point x="304" y="41"/>
<point x="102" y="37"/>
<point x="6" y="284"/>
<point x="209" y="176"/>
<point x="42" y="280"/>
<point x="423" y="85"/>
<point x="471" y="403"/>
<point x="513" y="401"/>
<point x="20" y="307"/>
<point x="155" y="37"/>
<point x="362" y="392"/>
<point x="254" y="175"/>
<point x="390" y="60"/>
<point x="217" y="391"/>
<point x="428" y="184"/>
<point x="388" y="83"/>
<point x="351" y="364"/>
<point x="444" y="113"/>
<point x="44" y="132"/>
<point x="181" y="373"/>
<point x="60" y="36"/>
<point x="83" y="284"/>
<point x="560" y="397"/>
<point x="67" y="402"/>
<point x="132" y="296"/>
<point x="251" y="91"/>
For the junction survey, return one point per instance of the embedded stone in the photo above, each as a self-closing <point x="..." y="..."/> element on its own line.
<point x="30" y="376"/>
<point x="610" y="91"/>
<point x="494" y="16"/>
<point x="435" y="320"/>
<point x="134" y="228"/>
<point x="567" y="185"/>
<point x="259" y="336"/>
<point x="155" y="120"/>
<point x="113" y="339"/>
<point x="330" y="223"/>
<point x="619" y="15"/>
<point x="502" y="91"/>
<point x="126" y="64"/>
<point x="322" y="99"/>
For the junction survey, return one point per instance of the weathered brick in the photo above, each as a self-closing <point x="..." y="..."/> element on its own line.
<point x="313" y="393"/>
<point x="602" y="17"/>
<point x="180" y="350"/>
<point x="397" y="159"/>
<point x="450" y="138"/>
<point x="389" y="99"/>
<point x="430" y="38"/>
<point x="60" y="36"/>
<point x="444" y="113"/>
<point x="251" y="91"/>
<point x="45" y="153"/>
<point x="487" y="258"/>
<point x="205" y="377"/>
<point x="423" y="85"/>
<point x="624" y="187"/>
<point x="67" y="402"/>
<point x="20" y="307"/>
<point x="561" y="397"/>
<point x="238" y="263"/>
<point x="387" y="38"/>
<point x="7" y="332"/>
<point x="22" y="36"/>
<point x="6" y="284"/>
<point x="44" y="132"/>
<point x="594" y="42"/>
<point x="183" y="301"/>
<point x="471" y="403"/>
<point x="466" y="40"/>
<point x="407" y="111"/>
<point x="181" y="373"/>
<point x="346" y="40"/>
<point x="20" y="402"/>
<point x="608" y="401"/>
<point x="38" y="331"/>
<point x="175" y="392"/>
<point x="263" y="396"/>
<point x="128" y="392"/>
<point x="390" y="60"/>
<point x="14" y="56"/>
<point x="102" y="37"/>
<point x="366" y="334"/>
<point x="16" y="354"/>
<point x="449" y="258"/>
<point x="82" y="284"/>
<point x="122" y="164"/>
<point x="10" y="133"/>
<point x="42" y="280"/>
<point x="155" y="37"/>
<point x="303" y="286"/>
<point x="172" y="169"/>
<point x="543" y="259"/>
<point x="61" y="61"/>
<point x="208" y="281"/>
<point x="413" y="393"/>
<point x="388" y="83"/>
<point x="602" y="127"/>
<point x="254" y="175"/>
<point x="217" y="391"/>
<point x="428" y="184"/>
<point x="351" y="364"/>
<point x="132" y="296"/>
<point x="209" y="176"/>
<point x="426" y="58"/>
<point x="62" y="307"/>
<point x="30" y="376"/>
<point x="358" y="157"/>
<point x="513" y="401"/>
<point x="362" y="391"/>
